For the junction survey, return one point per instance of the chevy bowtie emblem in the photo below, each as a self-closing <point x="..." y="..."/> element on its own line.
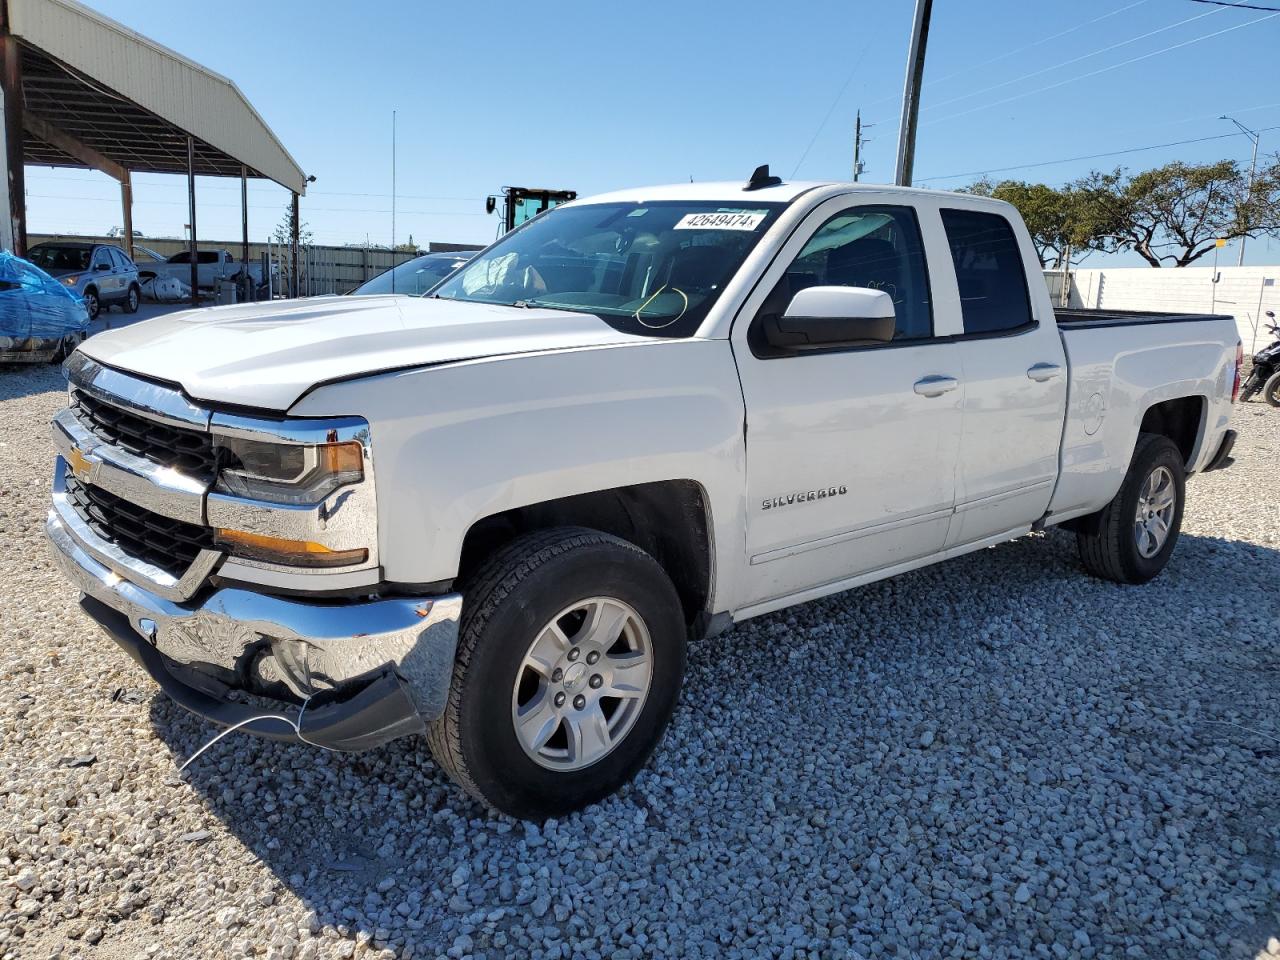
<point x="81" y="466"/>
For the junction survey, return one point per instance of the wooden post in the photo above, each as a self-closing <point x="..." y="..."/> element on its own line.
<point x="244" y="216"/>
<point x="191" y="203"/>
<point x="295" y="287"/>
<point x="11" y="87"/>
<point x="126" y="204"/>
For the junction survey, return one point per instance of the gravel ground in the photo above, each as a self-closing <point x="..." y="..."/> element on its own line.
<point x="994" y="757"/>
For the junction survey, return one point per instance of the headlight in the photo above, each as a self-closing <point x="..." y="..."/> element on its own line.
<point x="295" y="474"/>
<point x="71" y="281"/>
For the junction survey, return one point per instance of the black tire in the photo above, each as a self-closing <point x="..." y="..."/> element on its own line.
<point x="1250" y="387"/>
<point x="66" y="347"/>
<point x="93" y="303"/>
<point x="133" y="299"/>
<point x="1107" y="541"/>
<point x="507" y="603"/>
<point x="1271" y="390"/>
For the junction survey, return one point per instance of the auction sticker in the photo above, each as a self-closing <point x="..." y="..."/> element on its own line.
<point x="720" y="221"/>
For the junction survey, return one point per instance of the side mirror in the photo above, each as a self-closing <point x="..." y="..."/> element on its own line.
<point x="831" y="317"/>
<point x="102" y="267"/>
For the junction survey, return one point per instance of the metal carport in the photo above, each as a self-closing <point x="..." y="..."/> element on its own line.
<point x="81" y="90"/>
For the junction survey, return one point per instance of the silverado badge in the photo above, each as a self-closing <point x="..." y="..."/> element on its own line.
<point x="804" y="496"/>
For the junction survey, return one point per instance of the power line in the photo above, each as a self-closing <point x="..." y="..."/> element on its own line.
<point x="58" y="178"/>
<point x="831" y="109"/>
<point x="1067" y="63"/>
<point x="1092" y="156"/>
<point x="1242" y="6"/>
<point x="1108" y="69"/>
<point x="1037" y="43"/>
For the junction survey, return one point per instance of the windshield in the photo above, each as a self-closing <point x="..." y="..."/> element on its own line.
<point x="412" y="278"/>
<point x="50" y="257"/>
<point x="646" y="268"/>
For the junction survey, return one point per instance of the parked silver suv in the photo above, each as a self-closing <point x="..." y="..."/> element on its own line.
<point x="99" y="272"/>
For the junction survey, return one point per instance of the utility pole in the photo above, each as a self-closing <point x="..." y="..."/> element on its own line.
<point x="859" y="141"/>
<point x="911" y="94"/>
<point x="393" y="200"/>
<point x="858" y="146"/>
<point x="1253" y="168"/>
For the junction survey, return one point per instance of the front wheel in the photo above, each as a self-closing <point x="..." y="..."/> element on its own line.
<point x="1132" y="538"/>
<point x="1250" y="387"/>
<point x="570" y="659"/>
<point x="1271" y="390"/>
<point x="92" y="303"/>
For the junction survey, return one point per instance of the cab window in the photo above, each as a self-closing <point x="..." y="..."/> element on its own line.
<point x="989" y="272"/>
<point x="878" y="247"/>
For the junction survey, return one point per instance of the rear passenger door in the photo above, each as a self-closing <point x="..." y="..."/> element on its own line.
<point x="1015" y="380"/>
<point x="105" y="275"/>
<point x="850" y="450"/>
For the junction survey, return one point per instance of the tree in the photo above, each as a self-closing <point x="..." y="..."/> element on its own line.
<point x="284" y="229"/>
<point x="284" y="237"/>
<point x="1060" y="219"/>
<point x="1176" y="213"/>
<point x="1046" y="210"/>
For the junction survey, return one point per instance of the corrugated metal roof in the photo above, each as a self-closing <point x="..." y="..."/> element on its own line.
<point x="135" y="101"/>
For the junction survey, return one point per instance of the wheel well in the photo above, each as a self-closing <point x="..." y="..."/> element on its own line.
<point x="1179" y="420"/>
<point x="668" y="520"/>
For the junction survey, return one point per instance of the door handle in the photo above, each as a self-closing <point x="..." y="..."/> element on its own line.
<point x="1040" y="372"/>
<point x="935" y="386"/>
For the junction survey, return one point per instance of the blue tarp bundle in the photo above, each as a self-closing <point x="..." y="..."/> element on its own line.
<point x="35" y="306"/>
<point x="40" y="319"/>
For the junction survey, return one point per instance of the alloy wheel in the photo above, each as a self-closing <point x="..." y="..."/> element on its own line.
<point x="582" y="684"/>
<point x="1155" y="511"/>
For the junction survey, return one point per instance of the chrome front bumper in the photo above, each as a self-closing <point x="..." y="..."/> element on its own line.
<point x="236" y="639"/>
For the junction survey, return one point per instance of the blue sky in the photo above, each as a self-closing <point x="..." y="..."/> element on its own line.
<point x="594" y="96"/>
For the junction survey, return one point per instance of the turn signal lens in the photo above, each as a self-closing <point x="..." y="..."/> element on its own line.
<point x="293" y="553"/>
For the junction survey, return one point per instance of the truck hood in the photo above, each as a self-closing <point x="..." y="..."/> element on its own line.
<point x="268" y="355"/>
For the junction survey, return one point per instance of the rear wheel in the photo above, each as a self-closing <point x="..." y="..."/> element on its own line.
<point x="134" y="298"/>
<point x="1132" y="538"/>
<point x="1271" y="390"/>
<point x="570" y="659"/>
<point x="66" y="348"/>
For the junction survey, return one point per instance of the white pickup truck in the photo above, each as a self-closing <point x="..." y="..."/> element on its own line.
<point x="211" y="266"/>
<point x="495" y="515"/>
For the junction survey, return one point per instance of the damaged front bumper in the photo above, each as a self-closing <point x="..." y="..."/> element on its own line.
<point x="367" y="671"/>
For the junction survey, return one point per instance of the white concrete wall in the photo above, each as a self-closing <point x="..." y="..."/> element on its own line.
<point x="1245" y="293"/>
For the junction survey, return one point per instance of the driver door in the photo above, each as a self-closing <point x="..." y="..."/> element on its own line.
<point x="851" y="450"/>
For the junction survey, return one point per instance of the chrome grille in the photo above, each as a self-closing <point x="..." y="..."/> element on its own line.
<point x="171" y="545"/>
<point x="187" y="451"/>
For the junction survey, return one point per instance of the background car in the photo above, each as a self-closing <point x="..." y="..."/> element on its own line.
<point x="100" y="273"/>
<point x="40" y="318"/>
<point x="415" y="277"/>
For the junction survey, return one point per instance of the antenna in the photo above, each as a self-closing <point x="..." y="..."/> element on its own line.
<point x="393" y="201"/>
<point x="760" y="179"/>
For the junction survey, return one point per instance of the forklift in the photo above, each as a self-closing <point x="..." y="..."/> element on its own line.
<point x="524" y="203"/>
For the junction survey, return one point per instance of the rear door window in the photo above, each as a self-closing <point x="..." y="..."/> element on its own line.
<point x="989" y="272"/>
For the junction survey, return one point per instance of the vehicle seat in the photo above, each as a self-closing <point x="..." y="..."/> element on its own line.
<point x="868" y="262"/>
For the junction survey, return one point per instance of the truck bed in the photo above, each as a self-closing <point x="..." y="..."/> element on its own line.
<point x="1077" y="318"/>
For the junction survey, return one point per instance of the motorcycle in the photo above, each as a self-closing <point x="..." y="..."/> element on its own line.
<point x="1265" y="376"/>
